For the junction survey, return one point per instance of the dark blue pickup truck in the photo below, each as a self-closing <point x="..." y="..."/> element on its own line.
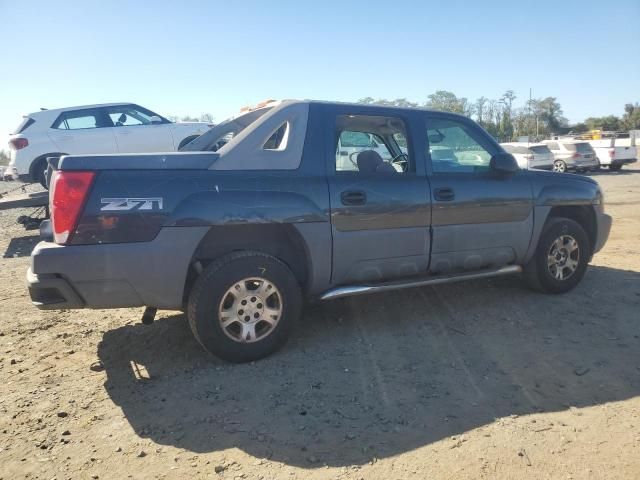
<point x="302" y="200"/>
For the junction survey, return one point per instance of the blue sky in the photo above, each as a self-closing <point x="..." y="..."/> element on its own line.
<point x="190" y="57"/>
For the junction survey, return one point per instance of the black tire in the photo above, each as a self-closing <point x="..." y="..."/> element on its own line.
<point x="212" y="288"/>
<point x="40" y="172"/>
<point x="615" y="168"/>
<point x="538" y="273"/>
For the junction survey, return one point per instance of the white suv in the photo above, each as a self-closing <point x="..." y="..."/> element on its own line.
<point x="106" y="128"/>
<point x="530" y="155"/>
<point x="572" y="155"/>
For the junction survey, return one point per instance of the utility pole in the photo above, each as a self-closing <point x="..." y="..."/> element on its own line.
<point x="530" y="117"/>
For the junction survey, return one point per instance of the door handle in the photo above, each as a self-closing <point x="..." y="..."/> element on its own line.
<point x="444" y="194"/>
<point x="353" y="198"/>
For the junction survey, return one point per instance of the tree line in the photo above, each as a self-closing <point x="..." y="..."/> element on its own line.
<point x="502" y="118"/>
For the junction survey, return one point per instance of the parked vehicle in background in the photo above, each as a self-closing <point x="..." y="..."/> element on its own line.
<point x="105" y="128"/>
<point x="530" y="155"/>
<point x="572" y="155"/>
<point x="237" y="236"/>
<point x="613" y="149"/>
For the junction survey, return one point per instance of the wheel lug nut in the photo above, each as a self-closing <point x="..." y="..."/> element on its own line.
<point x="247" y="318"/>
<point x="240" y="312"/>
<point x="256" y="315"/>
<point x="253" y="299"/>
<point x="259" y="305"/>
<point x="244" y="302"/>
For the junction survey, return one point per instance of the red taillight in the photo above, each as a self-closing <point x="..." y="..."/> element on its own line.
<point x="68" y="194"/>
<point x="18" y="143"/>
<point x="529" y="157"/>
<point x="612" y="152"/>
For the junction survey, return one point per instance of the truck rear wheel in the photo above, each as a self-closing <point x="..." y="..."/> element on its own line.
<point x="242" y="306"/>
<point x="561" y="258"/>
<point x="615" y="167"/>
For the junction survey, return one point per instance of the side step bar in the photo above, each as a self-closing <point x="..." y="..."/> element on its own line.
<point x="350" y="290"/>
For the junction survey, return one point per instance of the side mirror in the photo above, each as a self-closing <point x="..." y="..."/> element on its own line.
<point x="504" y="163"/>
<point x="156" y="119"/>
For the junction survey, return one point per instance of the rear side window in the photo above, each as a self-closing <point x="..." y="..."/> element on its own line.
<point x="540" y="149"/>
<point x="515" y="149"/>
<point x="553" y="146"/>
<point x="81" y="120"/>
<point x="278" y="139"/>
<point x="26" y="123"/>
<point x="369" y="144"/>
<point x="579" y="147"/>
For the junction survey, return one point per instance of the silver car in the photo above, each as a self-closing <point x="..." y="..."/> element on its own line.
<point x="530" y="155"/>
<point x="572" y="155"/>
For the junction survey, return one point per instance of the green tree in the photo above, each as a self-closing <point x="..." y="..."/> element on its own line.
<point x="550" y="112"/>
<point x="479" y="109"/>
<point x="631" y="117"/>
<point x="448" y="102"/>
<point x="610" y="122"/>
<point x="4" y="157"/>
<point x="398" y="102"/>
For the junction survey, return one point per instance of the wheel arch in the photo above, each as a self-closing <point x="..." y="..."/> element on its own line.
<point x="584" y="215"/>
<point x="40" y="158"/>
<point x="282" y="241"/>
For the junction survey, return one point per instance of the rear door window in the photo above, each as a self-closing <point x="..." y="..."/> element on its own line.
<point x="81" y="120"/>
<point x="371" y="144"/>
<point x="540" y="150"/>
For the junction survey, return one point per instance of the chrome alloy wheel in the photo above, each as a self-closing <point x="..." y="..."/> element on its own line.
<point x="250" y="310"/>
<point x="559" y="166"/>
<point x="563" y="257"/>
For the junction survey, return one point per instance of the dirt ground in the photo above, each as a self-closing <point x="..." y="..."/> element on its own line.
<point x="474" y="380"/>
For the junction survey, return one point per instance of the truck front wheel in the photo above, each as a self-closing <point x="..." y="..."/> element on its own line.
<point x="242" y="306"/>
<point x="561" y="257"/>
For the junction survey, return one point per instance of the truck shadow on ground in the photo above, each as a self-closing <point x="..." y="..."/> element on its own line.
<point x="375" y="376"/>
<point x="21" y="246"/>
<point x="605" y="171"/>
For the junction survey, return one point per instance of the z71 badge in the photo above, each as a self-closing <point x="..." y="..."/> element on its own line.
<point x="113" y="204"/>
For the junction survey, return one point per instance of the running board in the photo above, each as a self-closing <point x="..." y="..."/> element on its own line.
<point x="435" y="280"/>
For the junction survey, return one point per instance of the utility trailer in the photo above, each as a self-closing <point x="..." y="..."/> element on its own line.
<point x="23" y="199"/>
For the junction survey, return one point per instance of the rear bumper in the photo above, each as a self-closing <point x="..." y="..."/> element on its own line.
<point x="114" y="275"/>
<point x="624" y="161"/>
<point x="583" y="164"/>
<point x="51" y="292"/>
